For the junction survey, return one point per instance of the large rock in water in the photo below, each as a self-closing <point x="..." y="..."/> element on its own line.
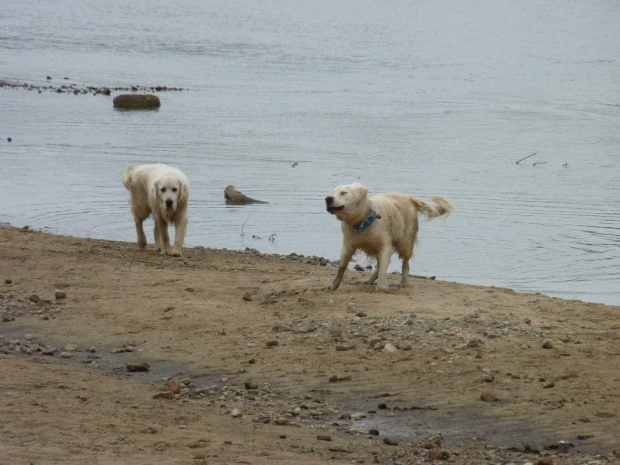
<point x="234" y="197"/>
<point x="136" y="101"/>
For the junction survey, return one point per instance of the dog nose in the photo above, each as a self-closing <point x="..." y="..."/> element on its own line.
<point x="329" y="200"/>
<point x="169" y="203"/>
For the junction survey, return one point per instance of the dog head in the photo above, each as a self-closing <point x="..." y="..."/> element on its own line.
<point x="348" y="202"/>
<point x="170" y="192"/>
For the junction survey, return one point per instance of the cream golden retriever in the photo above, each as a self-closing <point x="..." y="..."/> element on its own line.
<point x="379" y="225"/>
<point x="163" y="192"/>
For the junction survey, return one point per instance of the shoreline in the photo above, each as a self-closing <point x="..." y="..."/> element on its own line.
<point x="305" y="259"/>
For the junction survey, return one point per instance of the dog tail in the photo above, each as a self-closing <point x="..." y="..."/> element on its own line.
<point x="127" y="175"/>
<point x="439" y="206"/>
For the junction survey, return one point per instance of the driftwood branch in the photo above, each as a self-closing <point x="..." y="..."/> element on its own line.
<point x="526" y="157"/>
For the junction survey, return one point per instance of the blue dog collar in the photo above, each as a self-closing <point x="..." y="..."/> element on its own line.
<point x="367" y="222"/>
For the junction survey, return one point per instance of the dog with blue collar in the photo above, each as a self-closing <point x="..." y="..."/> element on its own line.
<point x="396" y="232"/>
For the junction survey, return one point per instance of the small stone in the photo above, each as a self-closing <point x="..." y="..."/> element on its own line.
<point x="272" y="343"/>
<point x="251" y="385"/>
<point x="48" y="352"/>
<point x="92" y="350"/>
<point x="8" y="281"/>
<point x="164" y="395"/>
<point x="545" y="461"/>
<point x="389" y="348"/>
<point x="236" y="413"/>
<point x="66" y="354"/>
<point x="281" y="421"/>
<point x="549" y="385"/>
<point x="137" y="367"/>
<point x="547" y="344"/>
<point x="324" y="437"/>
<point x="333" y="379"/>
<point x="70" y="348"/>
<point x="34" y="298"/>
<point x="373" y="432"/>
<point x="351" y="307"/>
<point x="247" y="297"/>
<point x="488" y="396"/>
<point x="345" y="346"/>
<point x="173" y="386"/>
<point x="390" y="441"/>
<point x="60" y="294"/>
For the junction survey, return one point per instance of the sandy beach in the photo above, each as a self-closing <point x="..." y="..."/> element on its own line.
<point x="112" y="355"/>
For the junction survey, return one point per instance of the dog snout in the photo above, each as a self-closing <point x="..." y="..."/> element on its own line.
<point x="329" y="200"/>
<point x="169" y="203"/>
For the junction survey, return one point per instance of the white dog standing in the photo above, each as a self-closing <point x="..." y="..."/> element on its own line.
<point x="163" y="192"/>
<point x="379" y="225"/>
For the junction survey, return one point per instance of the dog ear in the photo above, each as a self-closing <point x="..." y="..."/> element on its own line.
<point x="156" y="189"/>
<point x="182" y="198"/>
<point x="363" y="190"/>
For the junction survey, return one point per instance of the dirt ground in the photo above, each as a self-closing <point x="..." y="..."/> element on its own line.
<point x="114" y="355"/>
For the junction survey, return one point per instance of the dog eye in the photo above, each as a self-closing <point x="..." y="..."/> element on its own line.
<point x="163" y="189"/>
<point x="174" y="189"/>
<point x="344" y="193"/>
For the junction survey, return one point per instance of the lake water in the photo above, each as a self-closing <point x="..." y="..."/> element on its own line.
<point x="418" y="96"/>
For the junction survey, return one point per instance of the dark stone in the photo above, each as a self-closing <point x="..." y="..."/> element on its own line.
<point x="136" y="101"/>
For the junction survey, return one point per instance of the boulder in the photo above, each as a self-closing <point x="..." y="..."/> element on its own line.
<point x="136" y="101"/>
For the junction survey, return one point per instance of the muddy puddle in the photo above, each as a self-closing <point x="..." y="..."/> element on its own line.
<point x="375" y="415"/>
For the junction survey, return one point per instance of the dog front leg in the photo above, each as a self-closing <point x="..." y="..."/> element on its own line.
<point x="404" y="277"/>
<point x="373" y="276"/>
<point x="180" y="227"/>
<point x="345" y="257"/>
<point x="141" y="235"/>
<point x="383" y="260"/>
<point x="161" y="234"/>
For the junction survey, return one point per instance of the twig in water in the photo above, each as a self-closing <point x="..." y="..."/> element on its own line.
<point x="526" y="157"/>
<point x="539" y="163"/>
<point x="272" y="238"/>
<point x="242" y="233"/>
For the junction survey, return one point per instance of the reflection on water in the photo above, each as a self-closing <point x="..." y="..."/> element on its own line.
<point x="286" y="103"/>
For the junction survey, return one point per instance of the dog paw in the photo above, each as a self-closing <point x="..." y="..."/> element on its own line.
<point x="175" y="253"/>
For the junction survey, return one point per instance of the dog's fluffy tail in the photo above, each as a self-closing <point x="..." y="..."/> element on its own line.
<point x="439" y="206"/>
<point x="127" y="175"/>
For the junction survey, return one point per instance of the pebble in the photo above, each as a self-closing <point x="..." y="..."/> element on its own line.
<point x="389" y="348"/>
<point x="251" y="385"/>
<point x="247" y="297"/>
<point x="390" y="441"/>
<point x="137" y="367"/>
<point x="488" y="396"/>
<point x="545" y="461"/>
<point x="272" y="343"/>
<point x="66" y="354"/>
<point x="324" y="437"/>
<point x="236" y="413"/>
<point x="8" y="281"/>
<point x="547" y="344"/>
<point x="60" y="294"/>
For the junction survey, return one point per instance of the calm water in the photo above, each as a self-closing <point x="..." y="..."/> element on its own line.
<point x="418" y="96"/>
